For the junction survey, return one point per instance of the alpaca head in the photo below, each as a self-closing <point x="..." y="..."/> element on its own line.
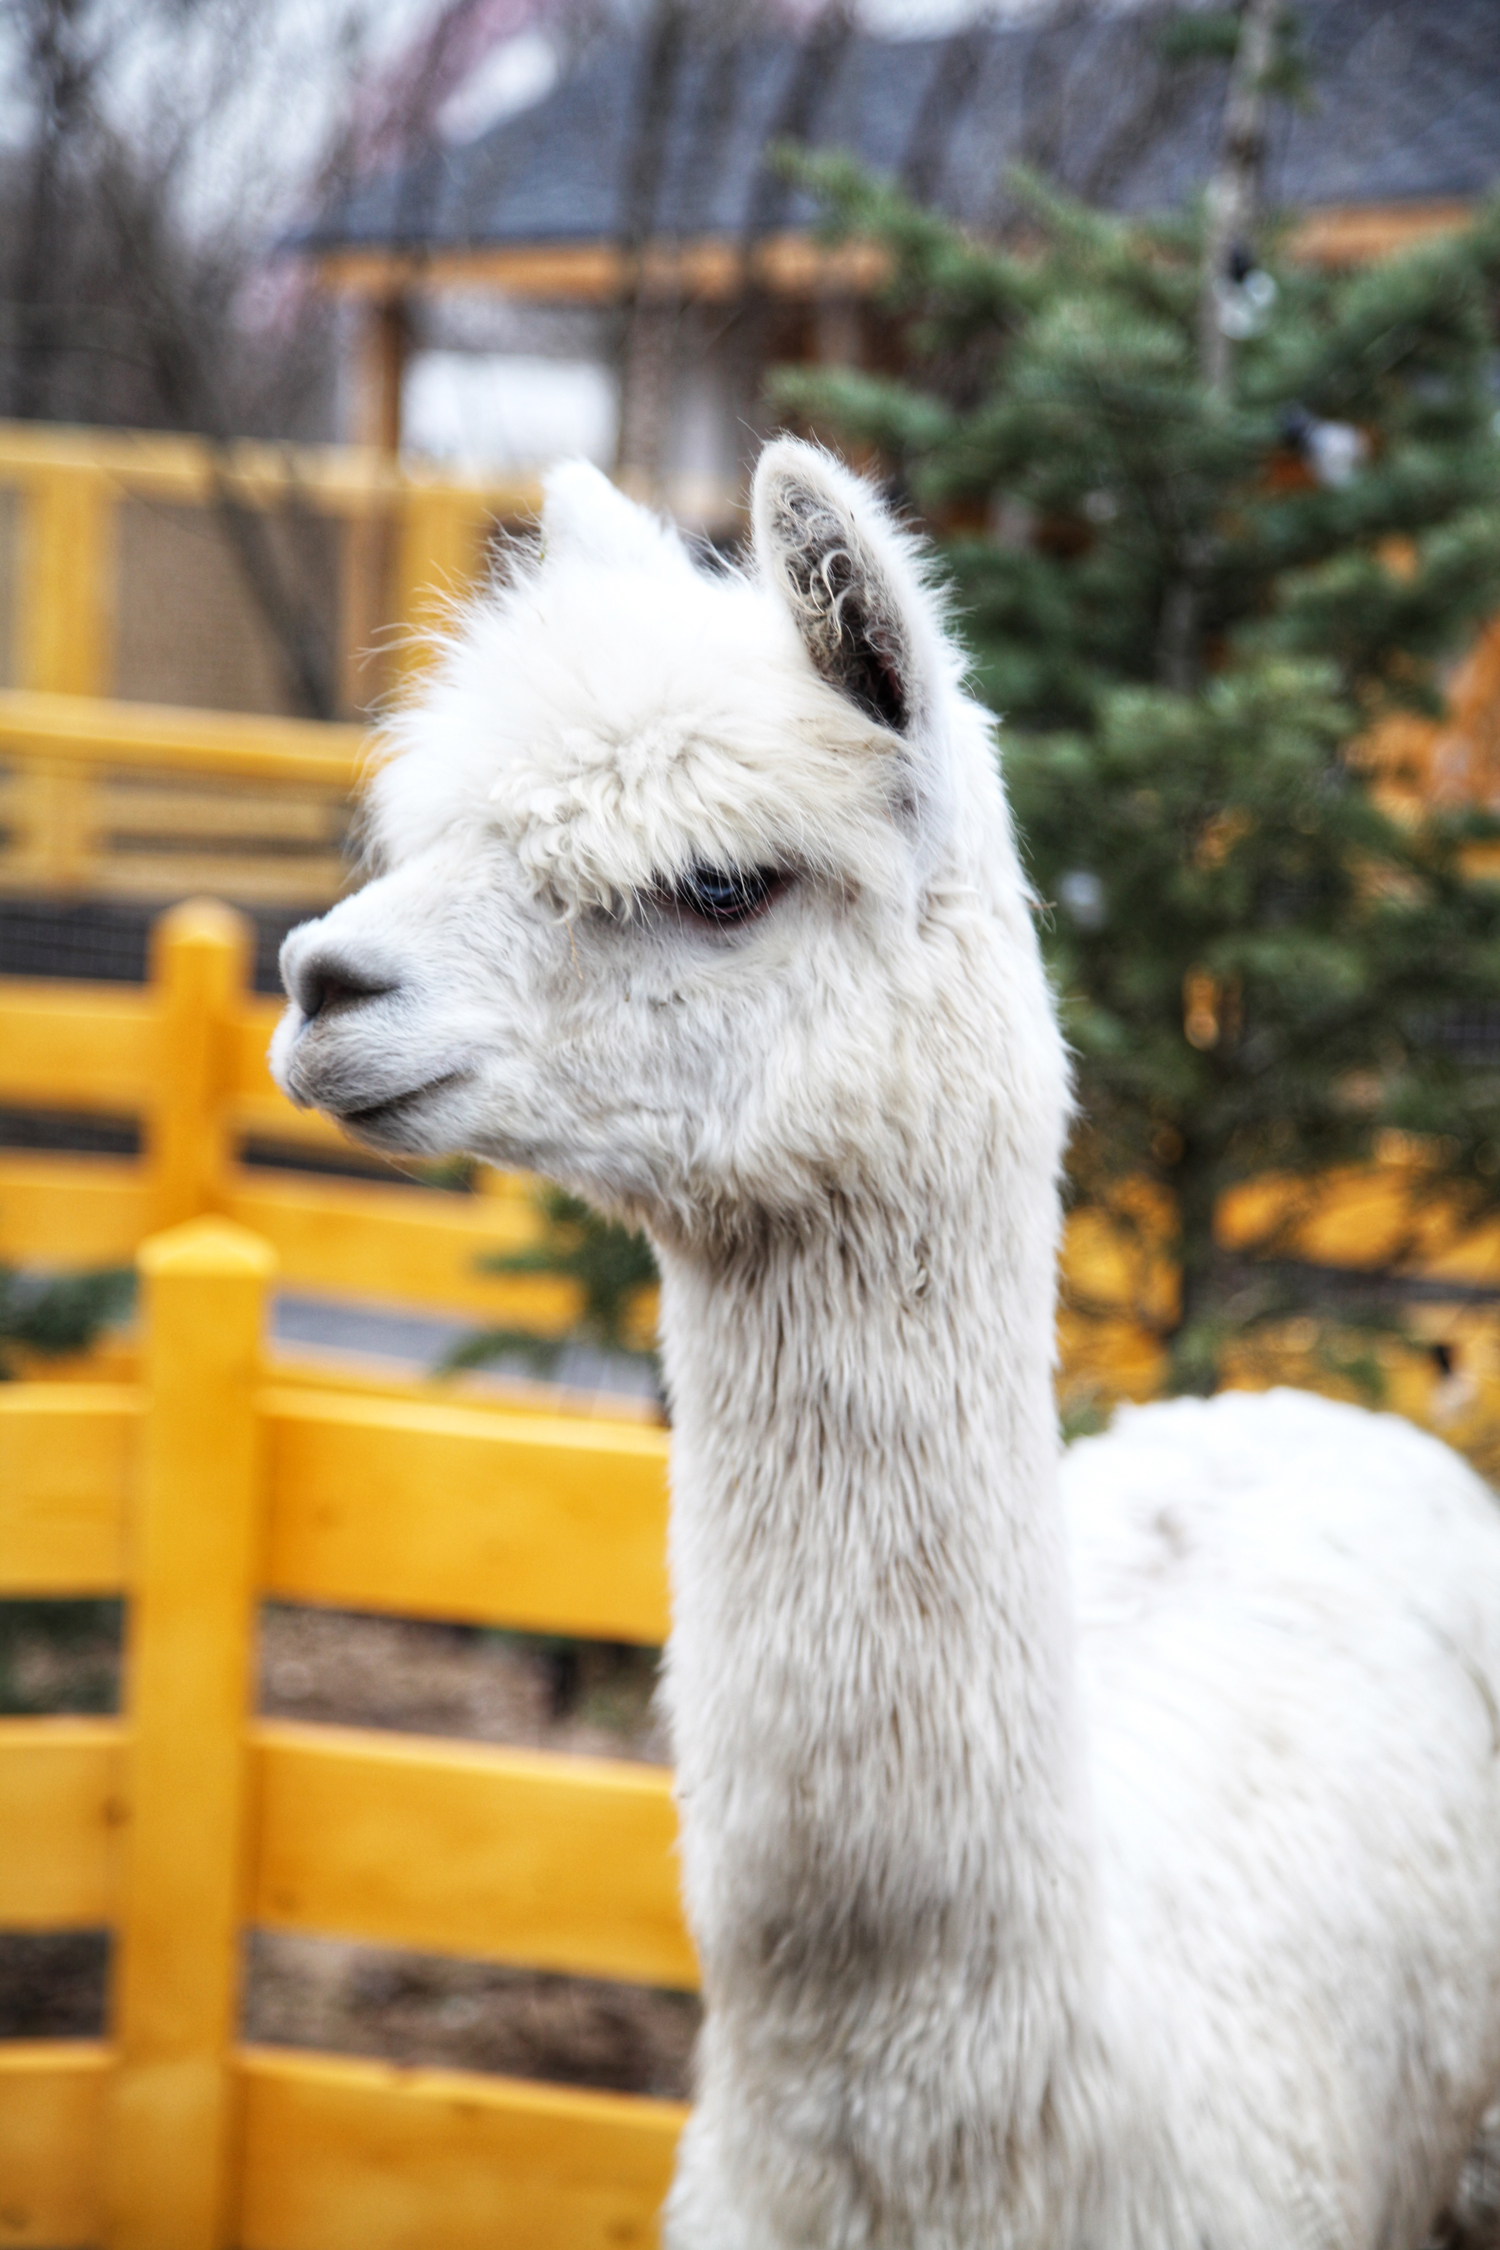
<point x="696" y="888"/>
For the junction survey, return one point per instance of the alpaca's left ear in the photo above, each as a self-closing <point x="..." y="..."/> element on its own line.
<point x="851" y="580"/>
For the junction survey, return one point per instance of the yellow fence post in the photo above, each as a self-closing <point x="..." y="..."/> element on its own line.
<point x="172" y="2130"/>
<point x="440" y="552"/>
<point x="58" y="849"/>
<point x="65" y="615"/>
<point x="199" y="970"/>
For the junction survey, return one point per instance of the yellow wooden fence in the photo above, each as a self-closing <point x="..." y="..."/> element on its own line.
<point x="116" y="573"/>
<point x="186" y="1056"/>
<point x="102" y="799"/>
<point x="196" y="1493"/>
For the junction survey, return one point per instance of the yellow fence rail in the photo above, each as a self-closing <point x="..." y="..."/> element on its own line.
<point x="120" y="574"/>
<point x="121" y="800"/>
<point x="197" y="1493"/>
<point x="185" y="1055"/>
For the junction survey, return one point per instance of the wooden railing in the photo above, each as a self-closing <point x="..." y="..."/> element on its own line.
<point x="196" y="1494"/>
<point x="185" y="1055"/>
<point x="101" y="799"/>
<point x="121" y="556"/>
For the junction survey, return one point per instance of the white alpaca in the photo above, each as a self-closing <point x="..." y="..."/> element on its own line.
<point x="1082" y="1853"/>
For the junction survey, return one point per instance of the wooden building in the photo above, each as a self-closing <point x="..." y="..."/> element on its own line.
<point x="636" y="197"/>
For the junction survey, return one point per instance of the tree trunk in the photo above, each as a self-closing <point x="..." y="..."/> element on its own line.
<point x="1235" y="187"/>
<point x="648" y="308"/>
<point x="1194" y="1361"/>
<point x="1231" y="200"/>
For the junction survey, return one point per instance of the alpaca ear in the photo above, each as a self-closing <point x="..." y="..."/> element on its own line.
<point x="587" y="519"/>
<point x="850" y="579"/>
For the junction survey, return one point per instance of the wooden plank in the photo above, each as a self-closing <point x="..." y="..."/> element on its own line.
<point x="1344" y="236"/>
<point x="793" y="263"/>
<point x="341" y="479"/>
<point x="402" y="1245"/>
<point x="159" y="737"/>
<point x="66" y="1456"/>
<point x="439" y="554"/>
<point x="51" y="2115"/>
<point x="62" y="1806"/>
<point x="72" y="1210"/>
<point x="346" y="2155"/>
<point x="65" y="611"/>
<point x="203" y="817"/>
<point x="54" y="846"/>
<point x="115" y="1360"/>
<point x="176" y="1987"/>
<point x="552" y="1525"/>
<point x="77" y="1046"/>
<point x="505" y="1855"/>
<point x="200" y="961"/>
<point x="305" y="880"/>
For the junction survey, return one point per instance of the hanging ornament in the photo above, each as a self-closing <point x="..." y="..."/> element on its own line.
<point x="1243" y="296"/>
<point x="1333" y="451"/>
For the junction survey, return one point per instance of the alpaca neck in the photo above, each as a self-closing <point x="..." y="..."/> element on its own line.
<point x="871" y="1670"/>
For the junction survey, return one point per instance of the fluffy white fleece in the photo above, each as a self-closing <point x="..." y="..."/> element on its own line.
<point x="1082" y="1854"/>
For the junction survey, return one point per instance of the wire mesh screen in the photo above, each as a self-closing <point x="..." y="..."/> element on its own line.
<point x="106" y="942"/>
<point x="227" y="614"/>
<point x="10" y="542"/>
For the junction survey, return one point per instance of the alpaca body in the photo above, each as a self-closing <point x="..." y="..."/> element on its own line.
<point x="1212" y="1957"/>
<point x="1290" y="1603"/>
<point x="1085" y="1854"/>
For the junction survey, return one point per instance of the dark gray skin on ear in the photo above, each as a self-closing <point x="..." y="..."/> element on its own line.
<point x="853" y="639"/>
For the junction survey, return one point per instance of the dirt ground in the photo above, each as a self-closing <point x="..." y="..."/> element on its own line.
<point x="583" y="1699"/>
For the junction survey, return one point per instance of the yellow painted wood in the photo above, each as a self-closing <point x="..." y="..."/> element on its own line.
<point x="204" y="816"/>
<point x="486" y="1393"/>
<point x="401" y="1246"/>
<point x="508" y="1855"/>
<point x="62" y="1807"/>
<point x="200" y="955"/>
<point x="160" y="738"/>
<point x="66" y="1457"/>
<point x="64" y="615"/>
<point x="336" y="479"/>
<point x="308" y="883"/>
<point x="52" y="2094"/>
<point x="115" y="1360"/>
<point x="439" y="553"/>
<point x="345" y="2155"/>
<point x="55" y="847"/>
<point x="76" y="1046"/>
<point x="449" y="1511"/>
<point x="71" y="1210"/>
<point x="188" y="1679"/>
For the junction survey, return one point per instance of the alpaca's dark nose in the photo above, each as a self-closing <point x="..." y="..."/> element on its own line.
<point x="323" y="981"/>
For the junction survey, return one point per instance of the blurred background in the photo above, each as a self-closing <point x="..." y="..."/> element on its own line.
<point x="1176" y="327"/>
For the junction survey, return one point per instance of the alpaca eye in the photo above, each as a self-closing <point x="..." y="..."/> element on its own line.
<point x="725" y="895"/>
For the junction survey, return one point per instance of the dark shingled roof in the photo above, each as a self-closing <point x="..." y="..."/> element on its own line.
<point x="1405" y="108"/>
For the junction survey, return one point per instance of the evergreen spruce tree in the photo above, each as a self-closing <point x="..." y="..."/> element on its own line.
<point x="53" y="1315"/>
<point x="612" y="1266"/>
<point x="1207" y="526"/>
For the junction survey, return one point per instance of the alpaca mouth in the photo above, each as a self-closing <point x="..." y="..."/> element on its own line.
<point x="397" y="1108"/>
